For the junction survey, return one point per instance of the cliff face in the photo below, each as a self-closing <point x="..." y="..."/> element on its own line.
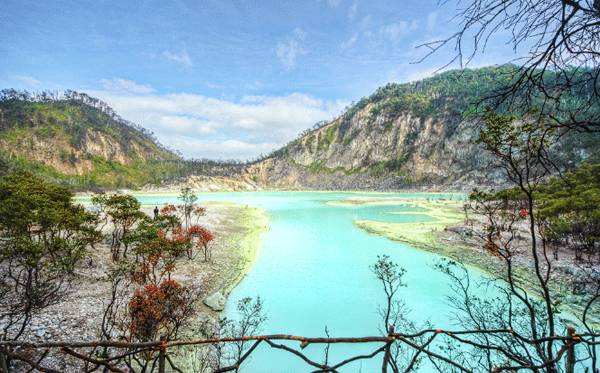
<point x="403" y="136"/>
<point x="408" y="135"/>
<point x="56" y="149"/>
<point x="74" y="142"/>
<point x="369" y="151"/>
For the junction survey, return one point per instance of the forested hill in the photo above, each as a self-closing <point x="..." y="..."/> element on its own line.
<point x="75" y="139"/>
<point x="404" y="135"/>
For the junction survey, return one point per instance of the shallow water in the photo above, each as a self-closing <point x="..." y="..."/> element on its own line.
<point x="312" y="271"/>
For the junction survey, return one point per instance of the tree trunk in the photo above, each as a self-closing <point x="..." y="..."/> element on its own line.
<point x="161" y="359"/>
<point x="387" y="353"/>
<point x="3" y="362"/>
<point x="570" y="361"/>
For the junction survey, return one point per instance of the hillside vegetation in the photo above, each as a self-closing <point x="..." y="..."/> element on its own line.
<point x="76" y="140"/>
<point x="410" y="134"/>
<point x="406" y="135"/>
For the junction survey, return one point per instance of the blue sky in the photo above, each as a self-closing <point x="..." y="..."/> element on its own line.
<point x="223" y="79"/>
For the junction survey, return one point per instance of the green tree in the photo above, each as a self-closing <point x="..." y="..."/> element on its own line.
<point x="122" y="211"/>
<point x="188" y="198"/>
<point x="570" y="207"/>
<point x="44" y="236"/>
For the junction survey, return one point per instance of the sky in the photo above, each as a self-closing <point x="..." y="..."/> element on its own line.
<point x="224" y="79"/>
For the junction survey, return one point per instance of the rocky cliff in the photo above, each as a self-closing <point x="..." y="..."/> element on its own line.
<point x="403" y="136"/>
<point x="77" y="140"/>
<point x="411" y="135"/>
<point x="392" y="153"/>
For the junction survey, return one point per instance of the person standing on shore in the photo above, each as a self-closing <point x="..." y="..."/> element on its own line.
<point x="155" y="212"/>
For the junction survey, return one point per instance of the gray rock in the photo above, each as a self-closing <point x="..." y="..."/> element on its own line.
<point x="40" y="333"/>
<point x="215" y="301"/>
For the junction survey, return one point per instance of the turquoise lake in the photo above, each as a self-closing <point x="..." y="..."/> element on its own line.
<point x="312" y="271"/>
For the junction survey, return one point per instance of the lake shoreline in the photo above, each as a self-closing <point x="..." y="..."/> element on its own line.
<point x="256" y="222"/>
<point x="238" y="233"/>
<point x="175" y="191"/>
<point x="447" y="235"/>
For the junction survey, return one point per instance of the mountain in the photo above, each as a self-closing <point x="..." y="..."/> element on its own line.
<point x="78" y="140"/>
<point x="404" y="135"/>
<point x="409" y="135"/>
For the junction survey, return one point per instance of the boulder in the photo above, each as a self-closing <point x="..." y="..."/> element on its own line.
<point x="40" y="332"/>
<point x="215" y="301"/>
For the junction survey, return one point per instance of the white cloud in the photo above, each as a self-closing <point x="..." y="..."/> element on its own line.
<point x="352" y="10"/>
<point x="375" y="37"/>
<point x="394" y="32"/>
<point x="431" y="21"/>
<point x="215" y="86"/>
<point x="182" y="57"/>
<point x="350" y="42"/>
<point x="228" y="149"/>
<point x="289" y="49"/>
<point x="420" y="74"/>
<point x="29" y="80"/>
<point x="202" y="126"/>
<point x="125" y="86"/>
<point x="333" y="3"/>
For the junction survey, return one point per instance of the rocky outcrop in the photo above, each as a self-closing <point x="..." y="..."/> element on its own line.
<point x="368" y="151"/>
<point x="199" y="183"/>
<point x="408" y="135"/>
<point x="59" y="153"/>
<point x="77" y="143"/>
<point x="404" y="136"/>
<point x="216" y="301"/>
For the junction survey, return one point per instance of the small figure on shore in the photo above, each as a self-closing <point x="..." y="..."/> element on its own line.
<point x="155" y="212"/>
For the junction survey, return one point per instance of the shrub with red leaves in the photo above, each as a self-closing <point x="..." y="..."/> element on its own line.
<point x="168" y="210"/>
<point x="158" y="309"/>
<point x="204" y="236"/>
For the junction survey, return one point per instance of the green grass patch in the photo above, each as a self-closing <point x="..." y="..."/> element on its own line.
<point x="320" y="168"/>
<point x="387" y="167"/>
<point x="328" y="136"/>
